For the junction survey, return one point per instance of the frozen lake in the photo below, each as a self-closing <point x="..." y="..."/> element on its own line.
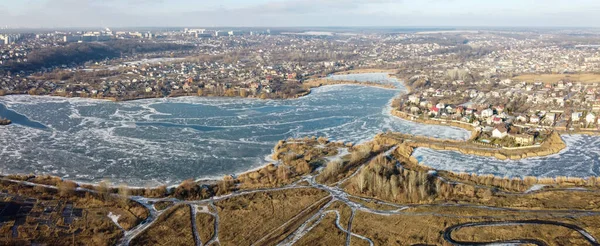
<point x="165" y="141"/>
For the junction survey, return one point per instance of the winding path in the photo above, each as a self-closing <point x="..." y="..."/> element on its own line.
<point x="448" y="232"/>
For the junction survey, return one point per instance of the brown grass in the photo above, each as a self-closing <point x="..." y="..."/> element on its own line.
<point x="288" y="228"/>
<point x="246" y="219"/>
<point x="428" y="229"/>
<point x="400" y="230"/>
<point x="345" y="212"/>
<point x="338" y="170"/>
<point x="298" y="156"/>
<point x="94" y="228"/>
<point x="162" y="205"/>
<point x="551" y="235"/>
<point x="325" y="233"/>
<point x="206" y="226"/>
<point x="373" y="205"/>
<point x="174" y="227"/>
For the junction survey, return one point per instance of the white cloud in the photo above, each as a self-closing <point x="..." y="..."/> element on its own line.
<point x="117" y="13"/>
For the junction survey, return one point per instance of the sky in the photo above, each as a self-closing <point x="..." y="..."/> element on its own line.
<point x="289" y="13"/>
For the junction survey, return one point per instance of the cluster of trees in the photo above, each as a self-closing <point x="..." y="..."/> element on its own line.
<point x="417" y="82"/>
<point x="189" y="189"/>
<point x="79" y="53"/>
<point x="383" y="179"/>
<point x="298" y="157"/>
<point x="521" y="184"/>
<point x="337" y="169"/>
<point x="280" y="90"/>
<point x="456" y="74"/>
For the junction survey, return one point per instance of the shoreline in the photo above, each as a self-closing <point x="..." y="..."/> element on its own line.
<point x="465" y="126"/>
<point x="402" y="141"/>
<point x="308" y="85"/>
<point x="316" y="83"/>
<point x="551" y="146"/>
<point x="554" y="145"/>
<point x="312" y="84"/>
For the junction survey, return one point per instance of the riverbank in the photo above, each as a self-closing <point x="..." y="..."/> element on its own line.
<point x="462" y="125"/>
<point x="316" y="83"/>
<point x="302" y="90"/>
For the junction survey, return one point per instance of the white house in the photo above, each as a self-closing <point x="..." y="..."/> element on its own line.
<point x="576" y="116"/>
<point x="487" y="113"/>
<point x="521" y="118"/>
<point x="415" y="110"/>
<point x="529" y="88"/>
<point x="590" y="118"/>
<point x="550" y="118"/>
<point x="500" y="132"/>
<point x="414" y="99"/>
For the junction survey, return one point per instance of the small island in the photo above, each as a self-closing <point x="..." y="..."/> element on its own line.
<point x="5" y="122"/>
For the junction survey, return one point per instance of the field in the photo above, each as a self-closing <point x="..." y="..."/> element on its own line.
<point x="431" y="227"/>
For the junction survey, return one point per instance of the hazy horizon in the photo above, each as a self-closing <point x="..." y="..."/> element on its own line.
<point x="298" y="13"/>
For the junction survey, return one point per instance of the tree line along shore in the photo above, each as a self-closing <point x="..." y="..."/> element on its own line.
<point x="295" y="90"/>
